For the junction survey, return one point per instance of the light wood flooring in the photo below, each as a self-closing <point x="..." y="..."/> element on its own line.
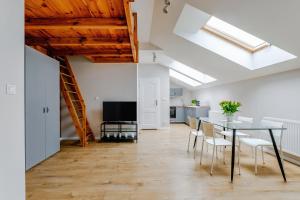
<point x="157" y="167"/>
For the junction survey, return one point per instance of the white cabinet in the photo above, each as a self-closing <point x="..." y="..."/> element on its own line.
<point x="195" y="112"/>
<point x="176" y="92"/>
<point x="42" y="107"/>
<point x="179" y="114"/>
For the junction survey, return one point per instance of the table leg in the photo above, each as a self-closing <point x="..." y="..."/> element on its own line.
<point x="199" y="124"/>
<point x="233" y="153"/>
<point x="277" y="154"/>
<point x="195" y="142"/>
<point x="198" y="128"/>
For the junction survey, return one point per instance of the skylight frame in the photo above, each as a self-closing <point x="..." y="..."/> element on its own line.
<point x="183" y="78"/>
<point x="191" y="72"/>
<point x="212" y="27"/>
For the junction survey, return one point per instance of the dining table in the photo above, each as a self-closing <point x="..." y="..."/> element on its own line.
<point x="235" y="126"/>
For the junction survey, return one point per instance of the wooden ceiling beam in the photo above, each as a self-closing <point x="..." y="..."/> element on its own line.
<point x="130" y="28"/>
<point x="136" y="42"/>
<point x="88" y="52"/>
<point x="112" y="55"/>
<point x="56" y="42"/>
<point x="112" y="60"/>
<point x="75" y="23"/>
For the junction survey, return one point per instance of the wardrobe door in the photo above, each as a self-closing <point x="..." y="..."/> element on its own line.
<point x="34" y="108"/>
<point x="52" y="107"/>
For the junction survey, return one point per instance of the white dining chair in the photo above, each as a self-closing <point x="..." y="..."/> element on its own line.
<point x="257" y="142"/>
<point x="211" y="139"/>
<point x="193" y="131"/>
<point x="239" y="134"/>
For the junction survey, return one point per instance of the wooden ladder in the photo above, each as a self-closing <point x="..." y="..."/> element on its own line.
<point x="74" y="101"/>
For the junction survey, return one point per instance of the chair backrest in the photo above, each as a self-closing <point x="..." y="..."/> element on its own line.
<point x="208" y="129"/>
<point x="245" y="119"/>
<point x="269" y="123"/>
<point x="192" y="122"/>
<point x="276" y="133"/>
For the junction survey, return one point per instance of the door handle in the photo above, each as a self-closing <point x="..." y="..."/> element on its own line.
<point x="156" y="102"/>
<point x="44" y="109"/>
<point x="47" y="110"/>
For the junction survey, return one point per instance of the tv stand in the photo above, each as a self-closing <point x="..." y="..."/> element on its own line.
<point x="119" y="131"/>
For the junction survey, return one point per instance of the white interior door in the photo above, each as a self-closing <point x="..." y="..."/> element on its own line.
<point x="149" y="103"/>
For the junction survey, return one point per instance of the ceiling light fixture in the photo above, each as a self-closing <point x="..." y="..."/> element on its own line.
<point x="167" y="4"/>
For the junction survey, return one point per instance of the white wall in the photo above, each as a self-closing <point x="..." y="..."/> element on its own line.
<point x="185" y="99"/>
<point x="109" y="82"/>
<point x="161" y="72"/>
<point x="12" y="130"/>
<point x="274" y="96"/>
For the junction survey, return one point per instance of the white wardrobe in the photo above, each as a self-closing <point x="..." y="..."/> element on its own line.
<point x="42" y="107"/>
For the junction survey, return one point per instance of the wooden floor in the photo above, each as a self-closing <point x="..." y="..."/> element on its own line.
<point x="158" y="167"/>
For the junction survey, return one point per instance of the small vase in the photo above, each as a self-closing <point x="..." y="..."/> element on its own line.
<point x="229" y="117"/>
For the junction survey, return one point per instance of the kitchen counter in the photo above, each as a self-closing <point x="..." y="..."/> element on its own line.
<point x="183" y="112"/>
<point x="189" y="106"/>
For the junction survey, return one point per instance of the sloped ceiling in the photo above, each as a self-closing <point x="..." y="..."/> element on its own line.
<point x="275" y="21"/>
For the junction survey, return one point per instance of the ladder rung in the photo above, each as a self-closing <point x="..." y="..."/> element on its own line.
<point x="69" y="83"/>
<point x="69" y="91"/>
<point x="60" y="58"/>
<point x="75" y="100"/>
<point x="63" y="66"/>
<point x="65" y="74"/>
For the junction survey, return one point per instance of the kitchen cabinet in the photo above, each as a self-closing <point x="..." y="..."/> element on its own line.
<point x="176" y="92"/>
<point x="42" y="107"/>
<point x="195" y="112"/>
<point x="179" y="114"/>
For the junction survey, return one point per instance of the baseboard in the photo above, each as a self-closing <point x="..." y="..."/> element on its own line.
<point x="287" y="156"/>
<point x="164" y="128"/>
<point x="74" y="138"/>
<point x="69" y="138"/>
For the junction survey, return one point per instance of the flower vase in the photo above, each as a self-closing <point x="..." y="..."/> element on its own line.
<point x="229" y="117"/>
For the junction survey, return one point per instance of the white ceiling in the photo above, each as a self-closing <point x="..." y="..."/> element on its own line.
<point x="275" y="21"/>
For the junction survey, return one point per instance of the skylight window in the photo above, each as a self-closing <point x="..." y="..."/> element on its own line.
<point x="184" y="78"/>
<point x="192" y="73"/>
<point x="235" y="35"/>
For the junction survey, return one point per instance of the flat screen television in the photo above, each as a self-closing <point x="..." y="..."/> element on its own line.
<point x="123" y="111"/>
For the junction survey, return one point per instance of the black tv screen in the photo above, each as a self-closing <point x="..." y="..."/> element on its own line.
<point x="119" y="111"/>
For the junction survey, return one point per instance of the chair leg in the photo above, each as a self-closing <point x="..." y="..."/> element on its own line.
<point x="281" y="156"/>
<point x="262" y="154"/>
<point x="255" y="160"/>
<point x="224" y="155"/>
<point x="239" y="163"/>
<point x="188" y="149"/>
<point x="217" y="157"/>
<point x="212" y="160"/>
<point x="202" y="151"/>
<point x="196" y="141"/>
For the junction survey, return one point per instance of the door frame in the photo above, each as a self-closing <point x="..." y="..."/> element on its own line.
<point x="157" y="80"/>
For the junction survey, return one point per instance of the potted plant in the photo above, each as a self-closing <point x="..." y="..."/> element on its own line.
<point x="229" y="108"/>
<point x="194" y="102"/>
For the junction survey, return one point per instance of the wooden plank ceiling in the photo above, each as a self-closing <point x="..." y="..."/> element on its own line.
<point x="103" y="31"/>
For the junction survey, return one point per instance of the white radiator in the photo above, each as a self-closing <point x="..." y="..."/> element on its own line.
<point x="291" y="136"/>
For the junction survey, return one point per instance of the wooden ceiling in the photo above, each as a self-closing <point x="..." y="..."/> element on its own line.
<point x="103" y="31"/>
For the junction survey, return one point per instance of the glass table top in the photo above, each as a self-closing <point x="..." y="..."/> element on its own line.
<point x="239" y="125"/>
